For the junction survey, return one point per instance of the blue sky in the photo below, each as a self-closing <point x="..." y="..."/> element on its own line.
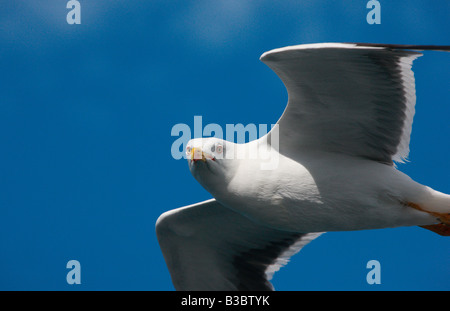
<point x="86" y="113"/>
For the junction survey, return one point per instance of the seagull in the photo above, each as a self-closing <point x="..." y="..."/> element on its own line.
<point x="329" y="164"/>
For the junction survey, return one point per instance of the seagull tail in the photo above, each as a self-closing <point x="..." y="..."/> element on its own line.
<point x="441" y="229"/>
<point x="439" y="207"/>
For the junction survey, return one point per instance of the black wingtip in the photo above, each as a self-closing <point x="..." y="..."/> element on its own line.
<point x="444" y="48"/>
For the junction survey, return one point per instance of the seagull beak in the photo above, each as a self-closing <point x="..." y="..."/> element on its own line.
<point x="197" y="154"/>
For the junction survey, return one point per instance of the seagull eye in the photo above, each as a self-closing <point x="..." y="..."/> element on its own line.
<point x="219" y="148"/>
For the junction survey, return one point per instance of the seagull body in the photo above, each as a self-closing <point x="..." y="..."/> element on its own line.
<point x="319" y="191"/>
<point x="328" y="165"/>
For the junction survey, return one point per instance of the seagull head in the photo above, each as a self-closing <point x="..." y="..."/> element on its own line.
<point x="210" y="160"/>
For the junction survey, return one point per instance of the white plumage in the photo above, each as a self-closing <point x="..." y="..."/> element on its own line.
<point x="328" y="165"/>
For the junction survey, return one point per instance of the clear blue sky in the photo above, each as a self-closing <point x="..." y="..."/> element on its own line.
<point x="86" y="113"/>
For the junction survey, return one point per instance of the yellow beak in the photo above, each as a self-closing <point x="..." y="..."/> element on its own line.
<point x="197" y="154"/>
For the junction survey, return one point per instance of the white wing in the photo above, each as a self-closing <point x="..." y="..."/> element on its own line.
<point x="209" y="247"/>
<point x="347" y="98"/>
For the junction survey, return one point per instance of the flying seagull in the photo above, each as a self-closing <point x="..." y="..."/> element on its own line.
<point x="328" y="165"/>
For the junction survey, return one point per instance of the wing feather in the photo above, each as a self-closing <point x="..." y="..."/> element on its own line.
<point x="209" y="247"/>
<point x="346" y="98"/>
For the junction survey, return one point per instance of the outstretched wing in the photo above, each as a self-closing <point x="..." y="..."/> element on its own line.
<point x="347" y="98"/>
<point x="209" y="247"/>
